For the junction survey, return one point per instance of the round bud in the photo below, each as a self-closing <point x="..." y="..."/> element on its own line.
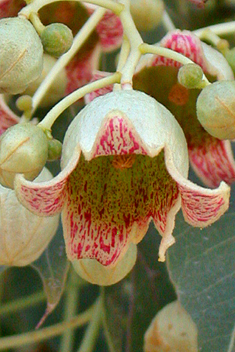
<point x="24" y="103"/>
<point x="230" y="57"/>
<point x="216" y="109"/>
<point x="171" y="330"/>
<point x="54" y="149"/>
<point x="20" y="55"/>
<point x="190" y="76"/>
<point x="95" y="273"/>
<point x="146" y="14"/>
<point x="57" y="88"/>
<point x="24" y="150"/>
<point x="56" y="39"/>
<point x="23" y="235"/>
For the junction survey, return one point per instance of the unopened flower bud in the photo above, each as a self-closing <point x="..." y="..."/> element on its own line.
<point x="95" y="273"/>
<point x="146" y="14"/>
<point x="216" y="108"/>
<point x="190" y="76"/>
<point x="172" y="330"/>
<point x="23" y="235"/>
<point x="20" y="55"/>
<point x="54" y="149"/>
<point x="57" y="88"/>
<point x="24" y="103"/>
<point x="23" y="149"/>
<point x="56" y="39"/>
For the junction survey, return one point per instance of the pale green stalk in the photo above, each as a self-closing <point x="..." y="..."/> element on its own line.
<point x="170" y="54"/>
<point x="124" y="53"/>
<point x="22" y="303"/>
<point x="219" y="29"/>
<point x="78" y="41"/>
<point x="46" y="333"/>
<point x="91" y="334"/>
<point x="135" y="41"/>
<point x="54" y="113"/>
<point x="70" y="309"/>
<point x="167" y="22"/>
<point x="36" y="5"/>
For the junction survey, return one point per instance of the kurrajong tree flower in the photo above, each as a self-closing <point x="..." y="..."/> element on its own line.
<point x="106" y="37"/>
<point x="210" y="157"/>
<point x="124" y="162"/>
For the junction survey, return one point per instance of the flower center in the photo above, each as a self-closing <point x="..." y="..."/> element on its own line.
<point x="178" y="95"/>
<point x="123" y="161"/>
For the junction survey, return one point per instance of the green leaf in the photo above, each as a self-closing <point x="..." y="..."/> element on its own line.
<point x="202" y="266"/>
<point x="131" y="304"/>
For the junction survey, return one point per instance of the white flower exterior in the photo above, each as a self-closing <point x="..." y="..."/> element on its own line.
<point x="124" y="162"/>
<point x="23" y="235"/>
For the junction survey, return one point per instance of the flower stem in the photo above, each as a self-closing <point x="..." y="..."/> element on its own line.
<point x="34" y="18"/>
<point x="46" y="333"/>
<point x="22" y="303"/>
<point x="167" y="22"/>
<point x="135" y="41"/>
<point x="70" y="308"/>
<point x="124" y="53"/>
<point x="170" y="54"/>
<point x="36" y="5"/>
<point x="92" y="331"/>
<point x="53" y="114"/>
<point x="219" y="29"/>
<point x="78" y="41"/>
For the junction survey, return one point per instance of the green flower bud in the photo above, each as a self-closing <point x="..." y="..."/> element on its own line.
<point x="57" y="88"/>
<point x="190" y="76"/>
<point x="98" y="274"/>
<point x="57" y="39"/>
<point x="23" y="149"/>
<point x="20" y="55"/>
<point x="216" y="109"/>
<point x="146" y="14"/>
<point x="54" y="149"/>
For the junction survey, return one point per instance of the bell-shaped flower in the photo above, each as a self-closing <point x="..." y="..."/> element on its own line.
<point x="106" y="37"/>
<point x="210" y="157"/>
<point x="23" y="235"/>
<point x="124" y="162"/>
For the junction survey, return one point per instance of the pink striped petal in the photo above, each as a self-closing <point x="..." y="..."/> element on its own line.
<point x="10" y="8"/>
<point x="45" y="198"/>
<point x="79" y="70"/>
<point x="189" y="45"/>
<point x="7" y="117"/>
<point x="213" y="161"/>
<point x="98" y="92"/>
<point x="109" y="29"/>
<point x="185" y="43"/>
<point x="201" y="207"/>
<point x="118" y="138"/>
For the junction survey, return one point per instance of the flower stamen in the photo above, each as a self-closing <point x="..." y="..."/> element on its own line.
<point x="123" y="161"/>
<point x="178" y="95"/>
